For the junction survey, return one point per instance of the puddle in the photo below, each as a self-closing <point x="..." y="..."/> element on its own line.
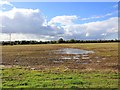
<point x="85" y="57"/>
<point x="85" y="63"/>
<point x="65" y="57"/>
<point x="69" y="57"/>
<point x="75" y="52"/>
<point x="72" y="51"/>
<point x="58" y="61"/>
<point x="75" y="57"/>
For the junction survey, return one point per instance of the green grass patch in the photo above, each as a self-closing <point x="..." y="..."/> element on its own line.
<point x="23" y="78"/>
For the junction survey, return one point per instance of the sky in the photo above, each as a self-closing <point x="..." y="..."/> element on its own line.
<point x="53" y="20"/>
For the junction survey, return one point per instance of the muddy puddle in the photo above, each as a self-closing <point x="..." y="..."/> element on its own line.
<point x="72" y="54"/>
<point x="73" y="51"/>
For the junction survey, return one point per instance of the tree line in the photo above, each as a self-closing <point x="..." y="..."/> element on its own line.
<point x="61" y="40"/>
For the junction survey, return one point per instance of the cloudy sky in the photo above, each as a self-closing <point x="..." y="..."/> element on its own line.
<point x="53" y="20"/>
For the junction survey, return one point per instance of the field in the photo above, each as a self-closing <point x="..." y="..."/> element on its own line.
<point x="38" y="66"/>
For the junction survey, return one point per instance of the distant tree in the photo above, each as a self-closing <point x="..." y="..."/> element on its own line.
<point x="52" y="42"/>
<point x="72" y="41"/>
<point x="61" y="40"/>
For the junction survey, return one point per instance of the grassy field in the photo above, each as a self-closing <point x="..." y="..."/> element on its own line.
<point x="38" y="66"/>
<point x="22" y="78"/>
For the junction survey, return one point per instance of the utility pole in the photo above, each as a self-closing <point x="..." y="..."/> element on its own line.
<point x="10" y="38"/>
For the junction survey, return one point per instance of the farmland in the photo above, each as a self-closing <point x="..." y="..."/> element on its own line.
<point x="41" y="67"/>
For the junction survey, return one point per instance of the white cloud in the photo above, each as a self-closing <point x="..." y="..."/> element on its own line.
<point x="21" y="36"/>
<point x="63" y="20"/>
<point x="98" y="16"/>
<point x="5" y="2"/>
<point x="4" y="5"/>
<point x="115" y="6"/>
<point x="87" y="34"/>
<point x="31" y="24"/>
<point x="104" y="34"/>
<point x="92" y="30"/>
<point x="26" y="21"/>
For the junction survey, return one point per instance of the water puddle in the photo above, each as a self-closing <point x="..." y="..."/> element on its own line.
<point x="76" y="55"/>
<point x="70" y="57"/>
<point x="66" y="57"/>
<point x="85" y="57"/>
<point x="73" y="54"/>
<point x="72" y="51"/>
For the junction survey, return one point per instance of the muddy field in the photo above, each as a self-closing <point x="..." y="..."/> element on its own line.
<point x="46" y="56"/>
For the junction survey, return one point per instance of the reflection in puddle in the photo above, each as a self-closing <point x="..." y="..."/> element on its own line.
<point x="58" y="61"/>
<point x="70" y="57"/>
<point x="77" y="55"/>
<point x="65" y="57"/>
<point x="84" y="62"/>
<point x="81" y="62"/>
<point x="73" y="51"/>
<point x="85" y="57"/>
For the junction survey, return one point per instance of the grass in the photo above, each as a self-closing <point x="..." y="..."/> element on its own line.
<point x="19" y="61"/>
<point x="23" y="78"/>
